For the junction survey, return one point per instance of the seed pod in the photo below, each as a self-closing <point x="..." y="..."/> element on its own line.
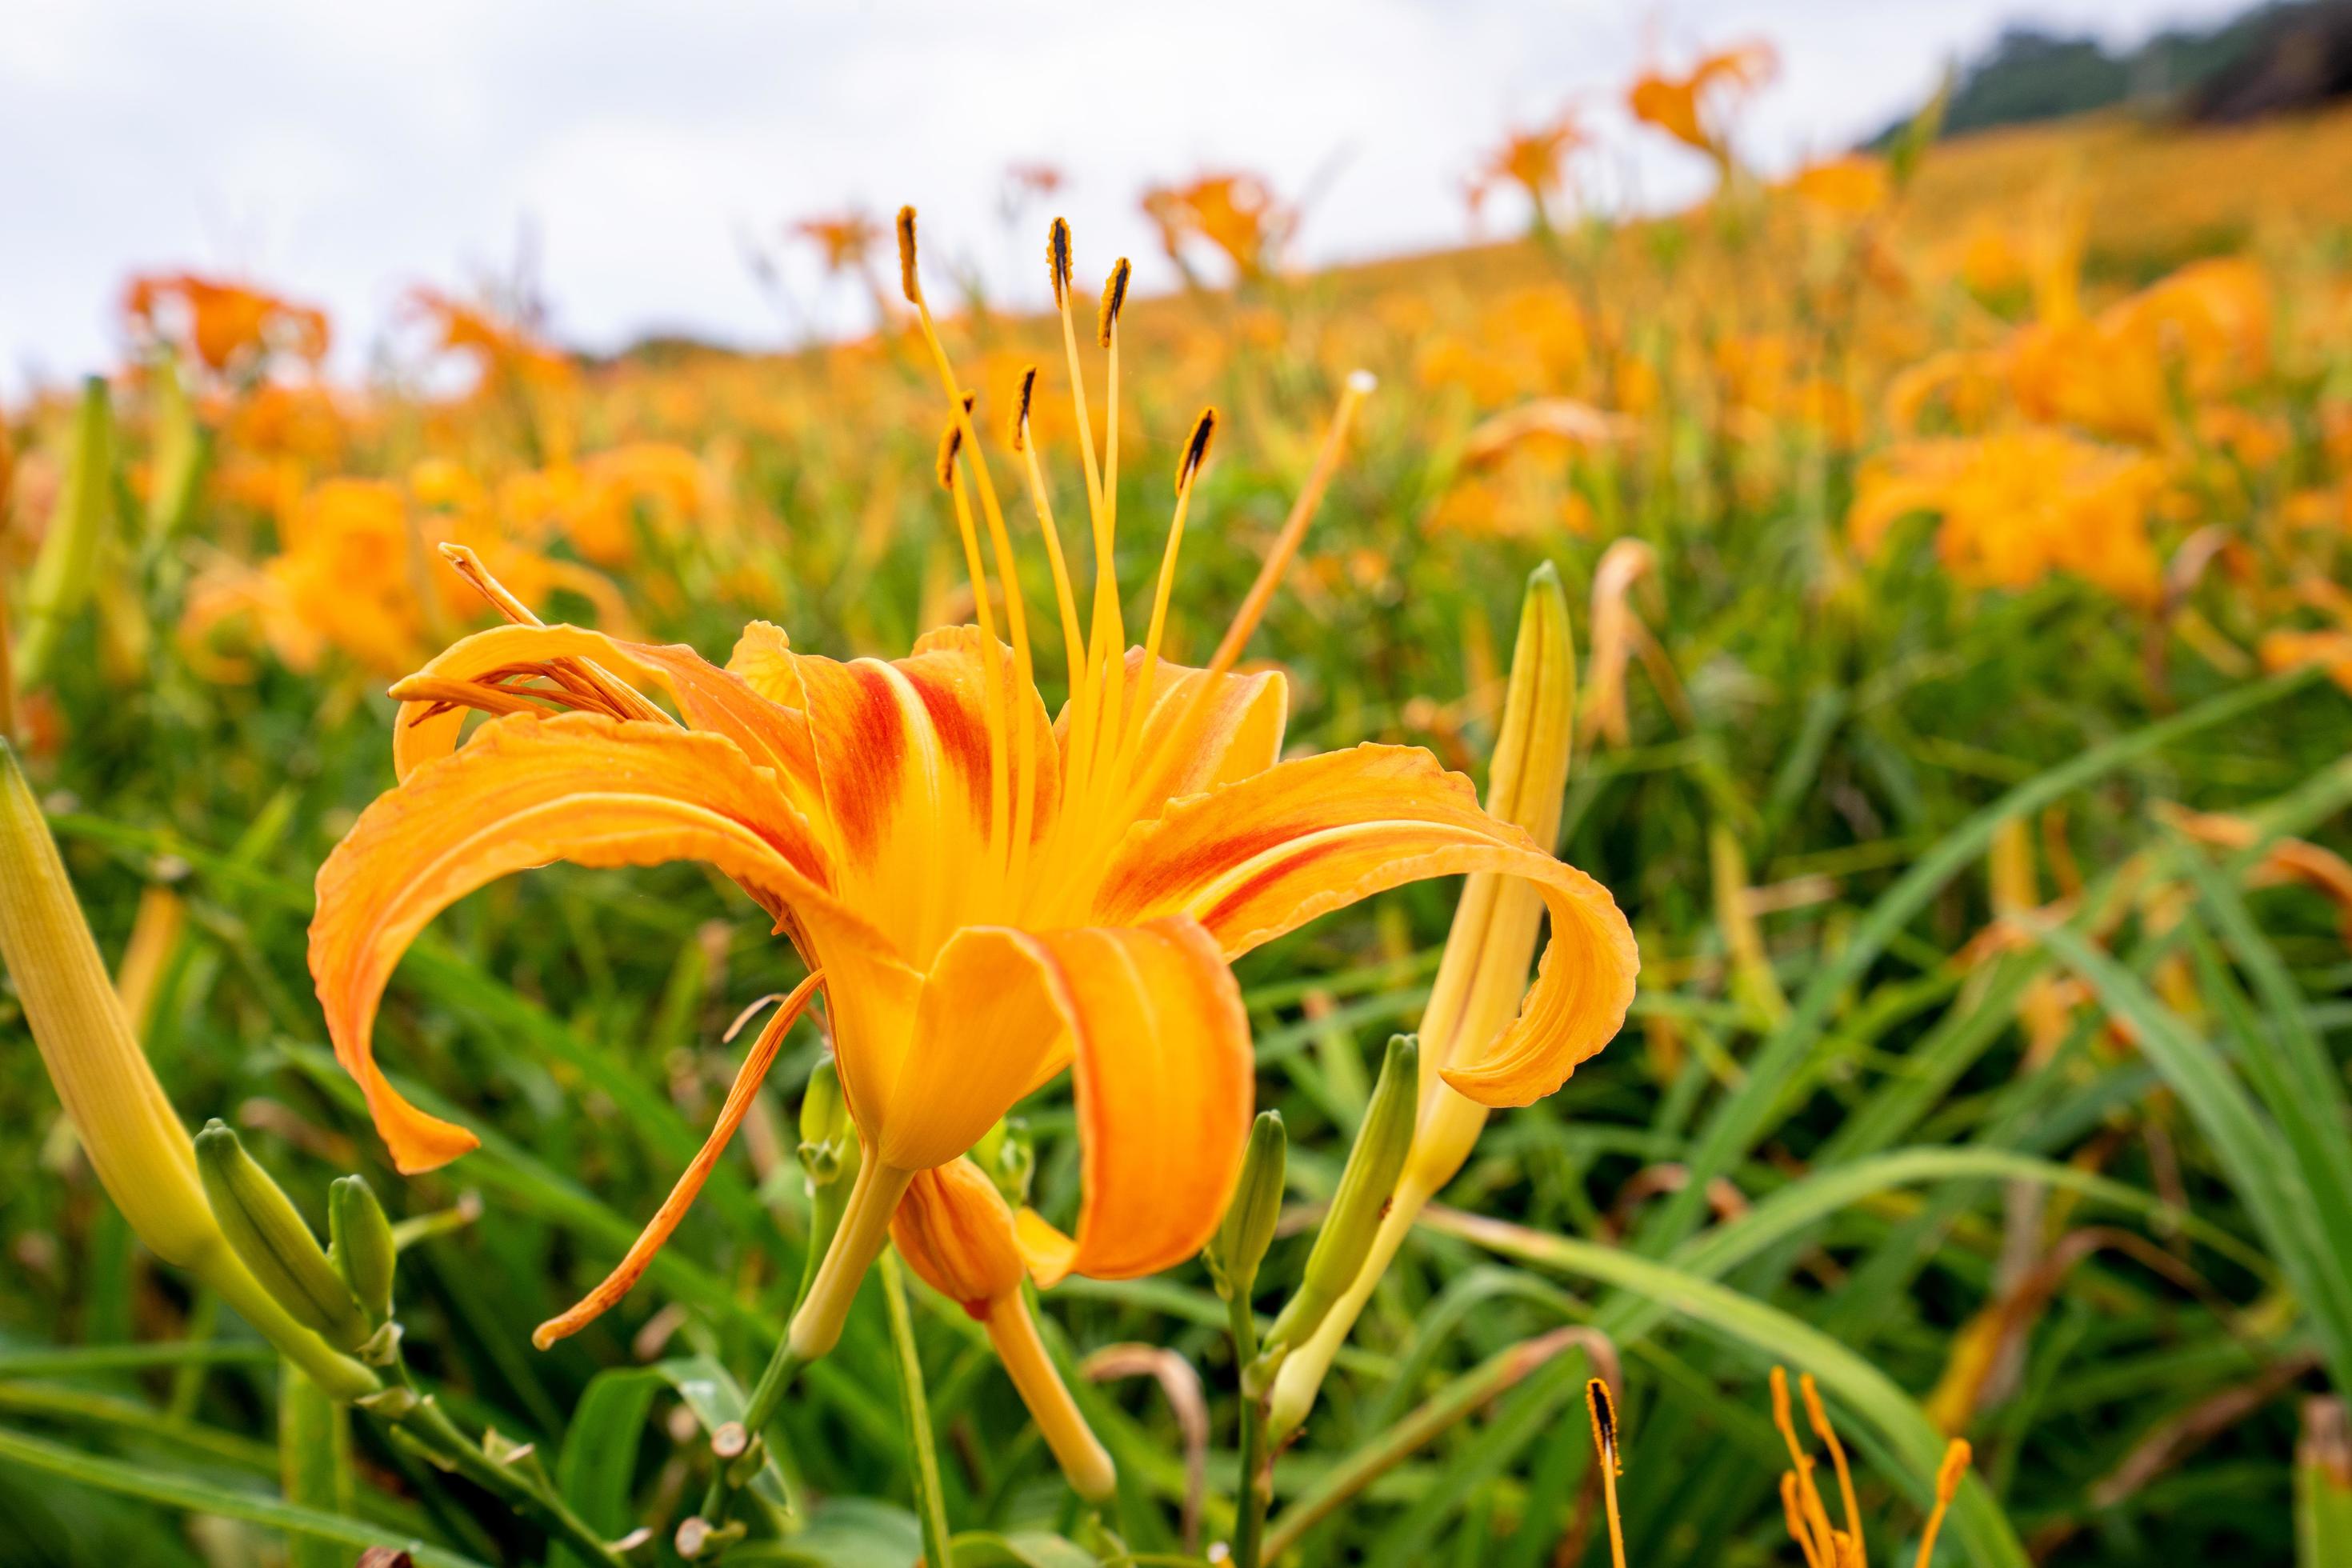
<point x="267" y="1234"/>
<point x="360" y="1244"/>
<point x="1235" y="1253"/>
<point x="1363" y="1197"/>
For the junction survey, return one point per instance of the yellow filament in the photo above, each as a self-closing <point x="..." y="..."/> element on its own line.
<point x="1602" y="1409"/>
<point x="1795" y="1516"/>
<point x="1949" y="1476"/>
<point x="1111" y="632"/>
<point x="1815" y="1515"/>
<point x="1177" y="736"/>
<point x="1084" y="697"/>
<point x="1016" y="616"/>
<point x="1074" y="639"/>
<point x="1150" y="669"/>
<point x="1827" y="1435"/>
<point x="991" y="701"/>
<point x="1015" y="611"/>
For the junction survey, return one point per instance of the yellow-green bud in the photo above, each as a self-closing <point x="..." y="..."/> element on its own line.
<point x="67" y="568"/>
<point x="1009" y="1155"/>
<point x="267" y="1234"/>
<point x="1365" y="1186"/>
<point x="826" y="1131"/>
<point x="1235" y="1253"/>
<point x="360" y="1244"/>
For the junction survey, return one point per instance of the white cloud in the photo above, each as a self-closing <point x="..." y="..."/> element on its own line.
<point x="341" y="153"/>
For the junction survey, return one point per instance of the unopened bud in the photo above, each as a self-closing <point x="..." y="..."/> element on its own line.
<point x="1009" y="1155"/>
<point x="360" y="1244"/>
<point x="269" y="1236"/>
<point x="1235" y="1253"/>
<point x="826" y="1131"/>
<point x="1365" y="1187"/>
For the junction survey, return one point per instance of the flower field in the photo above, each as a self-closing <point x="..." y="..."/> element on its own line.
<point x="1665" y="891"/>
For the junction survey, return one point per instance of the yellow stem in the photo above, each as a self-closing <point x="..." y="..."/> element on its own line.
<point x="1074" y="1446"/>
<point x="864" y="1226"/>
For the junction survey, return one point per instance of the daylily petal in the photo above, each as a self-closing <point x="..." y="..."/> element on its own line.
<point x="579" y="786"/>
<point x="1237" y="732"/>
<point x="1152" y="1023"/>
<point x="1265" y="856"/>
<point x="772" y="734"/>
<point x="955" y="1231"/>
<point x="902" y="755"/>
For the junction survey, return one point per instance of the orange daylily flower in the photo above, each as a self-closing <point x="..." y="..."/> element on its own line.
<point x="1534" y="160"/>
<point x="1695" y="110"/>
<point x="2018" y="504"/>
<point x="1238" y="214"/>
<point x="1852" y="186"/>
<point x="224" y="323"/>
<point x="993" y="896"/>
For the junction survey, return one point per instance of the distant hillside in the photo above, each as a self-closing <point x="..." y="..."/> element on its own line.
<point x="2284" y="55"/>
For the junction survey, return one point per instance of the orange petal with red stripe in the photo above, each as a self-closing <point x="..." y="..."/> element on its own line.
<point x="771" y="734"/>
<point x="1265" y="856"/>
<point x="579" y="787"/>
<point x="903" y="756"/>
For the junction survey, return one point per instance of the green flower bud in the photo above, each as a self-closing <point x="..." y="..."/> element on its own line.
<point x="1235" y="1253"/>
<point x="360" y="1246"/>
<point x="826" y="1130"/>
<point x="1365" y="1186"/>
<point x="267" y="1234"/>
<point x="1009" y="1155"/>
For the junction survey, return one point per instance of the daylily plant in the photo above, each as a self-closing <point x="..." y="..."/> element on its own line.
<point x="990" y="896"/>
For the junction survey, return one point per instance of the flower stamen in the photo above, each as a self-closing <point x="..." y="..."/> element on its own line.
<point x="1949" y="1476"/>
<point x="1074" y="639"/>
<point x="1820" y="1419"/>
<point x="1602" y="1406"/>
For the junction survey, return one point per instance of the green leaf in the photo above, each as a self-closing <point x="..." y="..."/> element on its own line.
<point x="711" y="1391"/>
<point x="1749" y="1112"/>
<point x="314" y="1459"/>
<point x="847" y="1532"/>
<point x="600" y="1453"/>
<point x="2246" y="1142"/>
<point x="1910" y="1436"/>
<point x="193" y="1495"/>
<point x="1021" y="1548"/>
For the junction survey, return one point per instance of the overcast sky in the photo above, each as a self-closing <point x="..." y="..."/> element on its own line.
<point x="343" y="153"/>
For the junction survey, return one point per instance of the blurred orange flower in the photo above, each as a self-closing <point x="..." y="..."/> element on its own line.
<point x="1697" y="110"/>
<point x="2017" y="505"/>
<point x="224" y="324"/>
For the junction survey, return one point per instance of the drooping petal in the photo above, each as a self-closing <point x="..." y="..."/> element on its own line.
<point x="955" y="1231"/>
<point x="1265" y="856"/>
<point x="1152" y="1023"/>
<point x="688" y="1185"/>
<point x="903" y="758"/>
<point x="579" y="786"/>
<point x="772" y="734"/>
<point x="1235" y="732"/>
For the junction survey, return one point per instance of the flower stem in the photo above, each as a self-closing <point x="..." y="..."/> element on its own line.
<point x="431" y="1426"/>
<point x="864" y="1226"/>
<point x="930" y="1506"/>
<point x="1255" y="1495"/>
